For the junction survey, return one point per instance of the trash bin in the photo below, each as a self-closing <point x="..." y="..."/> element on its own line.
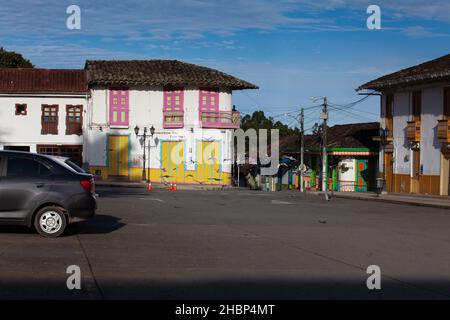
<point x="380" y="185"/>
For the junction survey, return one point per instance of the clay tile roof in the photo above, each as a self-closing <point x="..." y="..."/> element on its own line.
<point x="354" y="135"/>
<point x="436" y="70"/>
<point x="159" y="73"/>
<point x="30" y="80"/>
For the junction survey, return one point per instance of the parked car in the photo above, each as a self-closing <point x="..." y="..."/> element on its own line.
<point x="46" y="192"/>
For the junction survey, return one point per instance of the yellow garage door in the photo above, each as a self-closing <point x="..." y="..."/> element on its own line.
<point x="208" y="162"/>
<point x="118" y="149"/>
<point x="172" y="161"/>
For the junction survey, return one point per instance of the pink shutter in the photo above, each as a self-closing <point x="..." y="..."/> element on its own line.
<point x="173" y="100"/>
<point x="208" y="100"/>
<point x="119" y="106"/>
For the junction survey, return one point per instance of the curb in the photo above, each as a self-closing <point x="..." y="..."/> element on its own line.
<point x="393" y="201"/>
<point x="180" y="187"/>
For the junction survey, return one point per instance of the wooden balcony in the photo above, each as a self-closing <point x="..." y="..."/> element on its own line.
<point x="173" y="119"/>
<point x="443" y="131"/>
<point x="413" y="131"/>
<point x="220" y="119"/>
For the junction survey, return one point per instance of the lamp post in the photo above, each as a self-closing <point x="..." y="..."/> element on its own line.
<point x="152" y="132"/>
<point x="381" y="181"/>
<point x="144" y="136"/>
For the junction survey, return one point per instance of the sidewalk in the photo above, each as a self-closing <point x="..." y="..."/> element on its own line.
<point x="442" y="202"/>
<point x="156" y="185"/>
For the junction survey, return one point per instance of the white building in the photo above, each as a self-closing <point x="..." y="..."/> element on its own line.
<point x="189" y="107"/>
<point x="42" y="110"/>
<point x="92" y="115"/>
<point x="415" y="113"/>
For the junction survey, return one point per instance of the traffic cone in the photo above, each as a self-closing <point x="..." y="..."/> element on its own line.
<point x="174" y="188"/>
<point x="149" y="187"/>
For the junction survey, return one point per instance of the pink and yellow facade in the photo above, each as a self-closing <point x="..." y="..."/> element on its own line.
<point x="192" y="139"/>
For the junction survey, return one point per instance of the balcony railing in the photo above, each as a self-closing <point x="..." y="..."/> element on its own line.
<point x="413" y="131"/>
<point x="173" y="119"/>
<point x="443" y="131"/>
<point x="220" y="119"/>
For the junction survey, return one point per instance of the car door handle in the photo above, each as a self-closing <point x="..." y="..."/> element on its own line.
<point x="40" y="185"/>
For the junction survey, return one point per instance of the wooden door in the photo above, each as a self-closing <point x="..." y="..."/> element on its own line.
<point x="415" y="185"/>
<point x="362" y="175"/>
<point x="209" y="170"/>
<point x="389" y="171"/>
<point x="172" y="161"/>
<point x="118" y="150"/>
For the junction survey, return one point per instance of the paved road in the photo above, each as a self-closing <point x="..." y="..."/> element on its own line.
<point x="233" y="244"/>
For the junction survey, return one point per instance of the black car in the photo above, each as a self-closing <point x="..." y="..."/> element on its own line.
<point x="46" y="192"/>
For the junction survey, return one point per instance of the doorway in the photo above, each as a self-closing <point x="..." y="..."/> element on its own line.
<point x="118" y="155"/>
<point x="415" y="178"/>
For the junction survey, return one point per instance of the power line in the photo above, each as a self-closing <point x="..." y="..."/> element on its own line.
<point x="353" y="115"/>
<point x="351" y="104"/>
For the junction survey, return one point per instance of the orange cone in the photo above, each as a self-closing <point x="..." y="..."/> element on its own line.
<point x="174" y="188"/>
<point x="149" y="187"/>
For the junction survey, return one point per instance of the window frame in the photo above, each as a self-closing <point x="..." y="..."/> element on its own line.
<point x="173" y="93"/>
<point x="416" y="108"/>
<point x="208" y="94"/>
<point x="74" y="127"/>
<point x="21" y="113"/>
<point x="446" y="106"/>
<point x="40" y="163"/>
<point x="119" y="107"/>
<point x="45" y="128"/>
<point x="2" y="166"/>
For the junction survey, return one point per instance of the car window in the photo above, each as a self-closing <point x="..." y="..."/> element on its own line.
<point x="74" y="166"/>
<point x="1" y="166"/>
<point x="24" y="167"/>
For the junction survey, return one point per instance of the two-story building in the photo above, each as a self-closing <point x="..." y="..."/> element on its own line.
<point x="42" y="110"/>
<point x="189" y="108"/>
<point x="415" y="135"/>
<point x="92" y="116"/>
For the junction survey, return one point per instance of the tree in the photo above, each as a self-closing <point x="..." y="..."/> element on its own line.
<point x="11" y="59"/>
<point x="258" y="120"/>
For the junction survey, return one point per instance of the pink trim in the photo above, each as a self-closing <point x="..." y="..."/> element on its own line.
<point x="118" y="104"/>
<point x="171" y="96"/>
<point x="220" y="119"/>
<point x="208" y="100"/>
<point x="173" y="108"/>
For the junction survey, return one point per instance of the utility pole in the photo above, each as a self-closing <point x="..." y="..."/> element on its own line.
<point x="324" y="117"/>
<point x="302" y="146"/>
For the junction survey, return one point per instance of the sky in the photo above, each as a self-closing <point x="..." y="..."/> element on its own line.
<point x="292" y="49"/>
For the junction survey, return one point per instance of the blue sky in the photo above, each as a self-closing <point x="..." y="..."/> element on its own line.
<point x="292" y="49"/>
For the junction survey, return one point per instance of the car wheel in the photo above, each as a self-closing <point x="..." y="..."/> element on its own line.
<point x="50" y="222"/>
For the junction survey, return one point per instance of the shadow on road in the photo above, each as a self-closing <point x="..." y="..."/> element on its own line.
<point x="100" y="224"/>
<point x="262" y="289"/>
<point x="15" y="229"/>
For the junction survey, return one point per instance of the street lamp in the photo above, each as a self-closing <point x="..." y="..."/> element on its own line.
<point x="384" y="133"/>
<point x="144" y="136"/>
<point x="152" y="132"/>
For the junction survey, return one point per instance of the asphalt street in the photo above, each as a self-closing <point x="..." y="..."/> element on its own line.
<point x="233" y="245"/>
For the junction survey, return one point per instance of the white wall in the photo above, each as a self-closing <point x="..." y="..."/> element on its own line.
<point x="25" y="130"/>
<point x="401" y="115"/>
<point x="432" y="109"/>
<point x="146" y="109"/>
<point x="347" y="178"/>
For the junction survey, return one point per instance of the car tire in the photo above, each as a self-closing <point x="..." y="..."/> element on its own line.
<point x="50" y="222"/>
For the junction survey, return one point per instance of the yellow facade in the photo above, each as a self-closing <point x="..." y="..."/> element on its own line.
<point x="118" y="151"/>
<point x="208" y="169"/>
<point x="172" y="161"/>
